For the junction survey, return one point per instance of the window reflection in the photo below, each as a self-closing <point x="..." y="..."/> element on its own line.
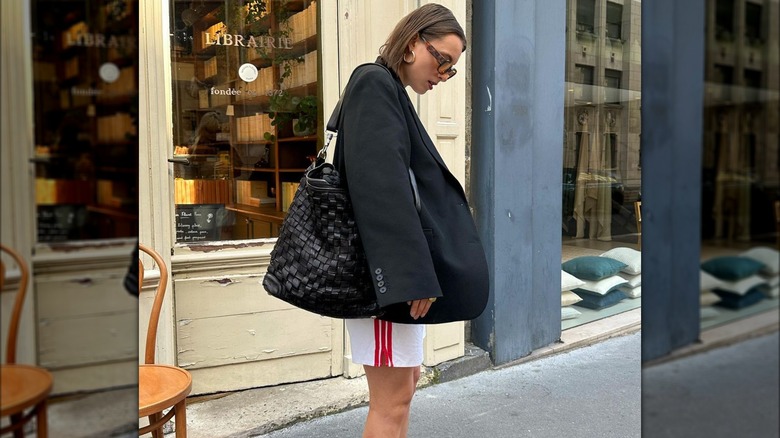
<point x="245" y="113"/>
<point x="601" y="149"/>
<point x="601" y="168"/>
<point x="740" y="184"/>
<point x="86" y="114"/>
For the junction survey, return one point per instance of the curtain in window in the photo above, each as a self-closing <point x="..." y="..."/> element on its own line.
<point x="593" y="190"/>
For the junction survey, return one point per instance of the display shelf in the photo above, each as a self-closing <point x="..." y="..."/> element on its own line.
<point x="270" y="214"/>
<point x="303" y="47"/>
<point x="113" y="212"/>
<point x="251" y="142"/>
<point x="298" y="139"/>
<point x="255" y="169"/>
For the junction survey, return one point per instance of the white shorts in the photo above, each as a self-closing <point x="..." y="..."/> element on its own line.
<point x="385" y="344"/>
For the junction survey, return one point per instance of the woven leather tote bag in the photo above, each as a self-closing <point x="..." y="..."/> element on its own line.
<point x="318" y="263"/>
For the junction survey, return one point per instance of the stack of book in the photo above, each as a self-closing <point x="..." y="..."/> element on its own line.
<point x="254" y="193"/>
<point x="303" y="73"/>
<point x="114" y="128"/>
<point x="288" y="193"/>
<point x="252" y="128"/>
<point x="303" y="24"/>
<point x="201" y="191"/>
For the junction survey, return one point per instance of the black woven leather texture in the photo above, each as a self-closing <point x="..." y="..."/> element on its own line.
<point x="318" y="262"/>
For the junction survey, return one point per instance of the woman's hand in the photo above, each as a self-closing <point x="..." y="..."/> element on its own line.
<point x="420" y="307"/>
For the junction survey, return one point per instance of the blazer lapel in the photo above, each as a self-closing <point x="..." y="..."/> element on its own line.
<point x="424" y="136"/>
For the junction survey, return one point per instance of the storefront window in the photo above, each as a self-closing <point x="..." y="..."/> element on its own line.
<point x="245" y="113"/>
<point x="85" y="75"/>
<point x="740" y="184"/>
<point x="601" y="168"/>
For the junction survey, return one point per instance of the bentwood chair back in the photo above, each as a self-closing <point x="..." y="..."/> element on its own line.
<point x="160" y="387"/>
<point x="22" y="387"/>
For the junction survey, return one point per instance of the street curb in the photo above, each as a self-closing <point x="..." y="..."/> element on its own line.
<point x="722" y="336"/>
<point x="474" y="361"/>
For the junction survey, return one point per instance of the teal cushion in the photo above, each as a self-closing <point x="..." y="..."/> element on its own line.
<point x="593" y="267"/>
<point x="597" y="301"/>
<point x="732" y="268"/>
<point x="736" y="301"/>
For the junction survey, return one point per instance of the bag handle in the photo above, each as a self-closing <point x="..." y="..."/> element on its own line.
<point x="332" y="129"/>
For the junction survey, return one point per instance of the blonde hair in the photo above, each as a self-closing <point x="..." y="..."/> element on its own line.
<point x="430" y="21"/>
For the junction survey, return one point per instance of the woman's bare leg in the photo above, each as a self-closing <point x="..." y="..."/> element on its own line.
<point x="390" y="392"/>
<point x="405" y="425"/>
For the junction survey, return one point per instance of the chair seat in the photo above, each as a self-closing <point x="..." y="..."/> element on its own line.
<point x="160" y="387"/>
<point x="23" y="386"/>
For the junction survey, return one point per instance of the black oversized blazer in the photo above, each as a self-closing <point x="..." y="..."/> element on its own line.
<point x="411" y="255"/>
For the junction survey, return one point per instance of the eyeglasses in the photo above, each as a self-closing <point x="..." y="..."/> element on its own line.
<point x="445" y="65"/>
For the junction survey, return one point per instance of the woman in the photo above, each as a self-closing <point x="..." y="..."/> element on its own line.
<point x="428" y="266"/>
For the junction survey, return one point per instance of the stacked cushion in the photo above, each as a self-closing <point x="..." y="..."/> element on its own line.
<point x="568" y="298"/>
<point x="592" y="267"/>
<point x="569" y="313"/>
<point x="736" y="280"/>
<point x="597" y="301"/>
<point x="600" y="278"/>
<point x="632" y="273"/>
<point x="732" y="268"/>
<point x="770" y="258"/>
<point x="735" y="301"/>
<point x="708" y="298"/>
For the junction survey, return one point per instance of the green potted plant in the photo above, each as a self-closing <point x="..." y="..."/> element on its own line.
<point x="300" y="113"/>
<point x="306" y="122"/>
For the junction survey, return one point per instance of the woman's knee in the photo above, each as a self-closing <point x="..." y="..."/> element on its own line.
<point x="392" y="387"/>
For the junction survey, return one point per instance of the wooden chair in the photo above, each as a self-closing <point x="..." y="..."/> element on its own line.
<point x="638" y="214"/>
<point x="21" y="386"/>
<point x="160" y="387"/>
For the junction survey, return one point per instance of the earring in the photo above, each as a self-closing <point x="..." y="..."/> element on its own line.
<point x="413" y="57"/>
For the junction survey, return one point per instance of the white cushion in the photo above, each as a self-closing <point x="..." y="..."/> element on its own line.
<point x="773" y="280"/>
<point x="604" y="285"/>
<point x="569" y="282"/>
<point x="708" y="298"/>
<point x="630" y="257"/>
<point x="568" y="298"/>
<point x="742" y="286"/>
<point x="708" y="312"/>
<point x="772" y="292"/>
<point x="569" y="313"/>
<point x="632" y="292"/>
<point x="709" y="281"/>
<point x="633" y="280"/>
<point x="768" y="256"/>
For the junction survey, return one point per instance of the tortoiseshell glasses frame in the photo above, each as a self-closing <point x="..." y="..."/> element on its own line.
<point x="445" y="65"/>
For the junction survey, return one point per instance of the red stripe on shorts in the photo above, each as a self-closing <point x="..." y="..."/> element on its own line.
<point x="389" y="344"/>
<point x="383" y="343"/>
<point x="377" y="342"/>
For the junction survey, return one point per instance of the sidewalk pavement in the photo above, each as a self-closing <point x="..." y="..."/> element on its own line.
<point x="588" y="392"/>
<point x="258" y="411"/>
<point x="726" y="392"/>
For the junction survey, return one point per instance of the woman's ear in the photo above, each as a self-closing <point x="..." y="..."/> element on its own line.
<point x="412" y="43"/>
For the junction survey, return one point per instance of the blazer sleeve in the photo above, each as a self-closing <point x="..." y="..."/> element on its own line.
<point x="376" y="148"/>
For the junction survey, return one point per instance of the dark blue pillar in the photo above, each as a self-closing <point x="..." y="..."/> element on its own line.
<point x="672" y="108"/>
<point x="518" y="56"/>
